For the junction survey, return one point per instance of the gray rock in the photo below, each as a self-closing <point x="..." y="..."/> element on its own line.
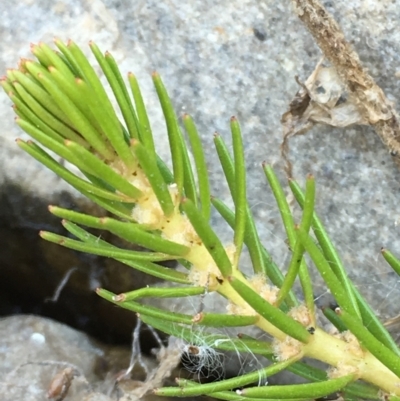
<point x="34" y="350"/>
<point x="240" y="57"/>
<point x="39" y="356"/>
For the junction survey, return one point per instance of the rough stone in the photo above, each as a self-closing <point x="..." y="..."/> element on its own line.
<point x="39" y="356"/>
<point x="34" y="350"/>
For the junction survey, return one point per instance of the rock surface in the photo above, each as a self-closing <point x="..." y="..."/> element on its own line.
<point x="238" y="57"/>
<point x="39" y="356"/>
<point x="34" y="350"/>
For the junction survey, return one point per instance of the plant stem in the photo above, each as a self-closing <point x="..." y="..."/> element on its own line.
<point x="337" y="352"/>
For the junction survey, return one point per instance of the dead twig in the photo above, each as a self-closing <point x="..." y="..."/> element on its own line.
<point x="370" y="100"/>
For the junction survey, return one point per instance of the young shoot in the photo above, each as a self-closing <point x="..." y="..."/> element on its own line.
<point x="62" y="104"/>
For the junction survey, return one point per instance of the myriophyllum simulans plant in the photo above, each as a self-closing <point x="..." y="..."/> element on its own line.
<point x="61" y="103"/>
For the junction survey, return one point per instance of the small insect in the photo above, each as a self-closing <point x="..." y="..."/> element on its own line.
<point x="60" y="384"/>
<point x="311" y="330"/>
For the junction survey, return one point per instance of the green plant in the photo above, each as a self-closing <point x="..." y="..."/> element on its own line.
<point x="61" y="103"/>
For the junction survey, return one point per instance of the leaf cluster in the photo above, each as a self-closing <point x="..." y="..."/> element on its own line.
<point x="61" y="103"/>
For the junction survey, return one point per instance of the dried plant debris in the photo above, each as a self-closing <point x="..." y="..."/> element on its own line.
<point x="323" y="98"/>
<point x="341" y="95"/>
<point x="129" y="384"/>
<point x="168" y="359"/>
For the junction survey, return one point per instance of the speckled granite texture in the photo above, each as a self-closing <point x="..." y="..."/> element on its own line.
<point x="240" y="57"/>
